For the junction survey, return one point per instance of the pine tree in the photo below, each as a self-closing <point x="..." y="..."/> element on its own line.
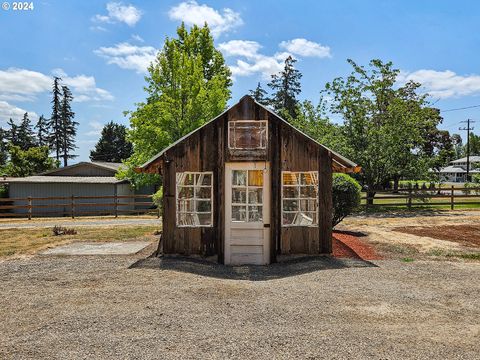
<point x="26" y="136"/>
<point x="286" y="86"/>
<point x="68" y="127"/>
<point x="3" y="146"/>
<point x="260" y="95"/>
<point x="12" y="132"/>
<point x="113" y="145"/>
<point x="55" y="137"/>
<point x="42" y="131"/>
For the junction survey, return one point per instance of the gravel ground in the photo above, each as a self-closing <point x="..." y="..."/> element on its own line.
<point x="123" y="307"/>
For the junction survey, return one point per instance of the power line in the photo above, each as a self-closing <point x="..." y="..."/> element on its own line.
<point x="462" y="108"/>
<point x="468" y="129"/>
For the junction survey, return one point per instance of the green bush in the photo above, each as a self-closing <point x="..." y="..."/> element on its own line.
<point x="346" y="197"/>
<point x="470" y="188"/>
<point x="3" y="191"/>
<point x="158" y="197"/>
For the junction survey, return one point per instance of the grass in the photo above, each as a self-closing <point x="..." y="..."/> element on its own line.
<point x="407" y="260"/>
<point x="14" y="242"/>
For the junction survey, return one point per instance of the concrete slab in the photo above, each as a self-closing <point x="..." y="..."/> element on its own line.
<point x="111" y="248"/>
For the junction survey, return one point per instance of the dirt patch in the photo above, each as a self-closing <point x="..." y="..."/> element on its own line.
<point x="349" y="245"/>
<point x="467" y="235"/>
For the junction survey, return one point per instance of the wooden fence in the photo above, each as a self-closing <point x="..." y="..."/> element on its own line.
<point x="424" y="197"/>
<point x="73" y="206"/>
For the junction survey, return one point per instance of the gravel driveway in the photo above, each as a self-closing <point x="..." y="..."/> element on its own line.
<point x="98" y="307"/>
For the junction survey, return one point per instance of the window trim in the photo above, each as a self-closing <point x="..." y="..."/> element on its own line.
<point x="194" y="198"/>
<point x="231" y="123"/>
<point x="299" y="186"/>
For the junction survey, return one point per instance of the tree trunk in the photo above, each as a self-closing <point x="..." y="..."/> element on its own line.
<point x="370" y="196"/>
<point x="396" y="181"/>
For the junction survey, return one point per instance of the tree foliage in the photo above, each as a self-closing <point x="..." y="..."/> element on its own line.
<point x="187" y="85"/>
<point x="384" y="123"/>
<point x="260" y="95"/>
<point x="286" y="87"/>
<point x="113" y="145"/>
<point x="25" y="134"/>
<point x="28" y="162"/>
<point x="42" y="131"/>
<point x="68" y="126"/>
<point x="55" y="136"/>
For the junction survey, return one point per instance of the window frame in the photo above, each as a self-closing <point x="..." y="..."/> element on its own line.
<point x="194" y="198"/>
<point x="233" y="122"/>
<point x="299" y="198"/>
<point x="247" y="205"/>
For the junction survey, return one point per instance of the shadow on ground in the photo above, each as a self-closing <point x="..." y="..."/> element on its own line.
<point x="278" y="270"/>
<point x="386" y="213"/>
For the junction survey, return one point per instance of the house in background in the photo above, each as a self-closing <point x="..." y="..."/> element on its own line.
<point x="457" y="169"/>
<point x="85" y="179"/>
<point x="247" y="187"/>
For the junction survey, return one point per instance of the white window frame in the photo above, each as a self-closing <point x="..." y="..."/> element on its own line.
<point x="194" y="198"/>
<point x="233" y="122"/>
<point x="299" y="186"/>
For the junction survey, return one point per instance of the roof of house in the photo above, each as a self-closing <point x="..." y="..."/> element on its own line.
<point x="457" y="169"/>
<point x="99" y="164"/>
<point x="339" y="159"/>
<point x="464" y="160"/>
<point x="63" y="179"/>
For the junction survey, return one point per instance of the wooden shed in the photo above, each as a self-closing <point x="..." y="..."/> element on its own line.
<point x="247" y="187"/>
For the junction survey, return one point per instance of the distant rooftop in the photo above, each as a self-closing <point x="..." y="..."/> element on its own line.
<point x="63" y="179"/>
<point x="473" y="158"/>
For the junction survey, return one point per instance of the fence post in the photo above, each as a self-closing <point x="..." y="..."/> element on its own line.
<point x="72" y="202"/>
<point x="452" y="197"/>
<point x="116" y="204"/>
<point x="409" y="205"/>
<point x="29" y="208"/>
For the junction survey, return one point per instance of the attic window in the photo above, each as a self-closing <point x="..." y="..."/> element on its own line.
<point x="299" y="198"/>
<point x="194" y="199"/>
<point x="247" y="134"/>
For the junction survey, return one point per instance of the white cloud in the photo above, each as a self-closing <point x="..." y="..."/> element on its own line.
<point x="118" y="12"/>
<point x="8" y="111"/>
<point x="26" y="85"/>
<point x="128" y="56"/>
<point x="254" y="61"/>
<point x="306" y="48"/>
<point x="96" y="127"/>
<point x="138" y="38"/>
<point x="444" y="84"/>
<point x="192" y="13"/>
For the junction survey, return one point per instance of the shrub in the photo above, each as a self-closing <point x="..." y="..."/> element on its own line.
<point x="346" y="197"/>
<point x="3" y="191"/>
<point x="60" y="230"/>
<point x="471" y="187"/>
<point x="158" y="197"/>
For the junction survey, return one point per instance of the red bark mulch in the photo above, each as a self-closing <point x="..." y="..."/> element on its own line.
<point x="348" y="245"/>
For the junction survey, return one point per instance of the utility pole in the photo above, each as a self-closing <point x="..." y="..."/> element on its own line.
<point x="468" y="129"/>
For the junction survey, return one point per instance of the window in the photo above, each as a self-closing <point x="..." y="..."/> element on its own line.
<point x="247" y="134"/>
<point x="247" y="196"/>
<point x="299" y="198"/>
<point x="194" y="199"/>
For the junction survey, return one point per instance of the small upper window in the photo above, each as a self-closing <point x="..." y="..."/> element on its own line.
<point x="194" y="199"/>
<point x="247" y="134"/>
<point x="299" y="198"/>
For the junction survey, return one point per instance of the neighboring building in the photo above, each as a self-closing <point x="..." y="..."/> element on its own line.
<point x="457" y="169"/>
<point x="247" y="187"/>
<point x="86" y="179"/>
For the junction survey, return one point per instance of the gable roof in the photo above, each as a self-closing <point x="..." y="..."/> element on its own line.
<point x="98" y="164"/>
<point x="473" y="159"/>
<point x="63" y="179"/>
<point x="342" y="161"/>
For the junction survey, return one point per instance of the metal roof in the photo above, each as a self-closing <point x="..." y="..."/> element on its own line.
<point x="99" y="164"/>
<point x="64" y="179"/>
<point x="457" y="169"/>
<point x="339" y="159"/>
<point x="464" y="160"/>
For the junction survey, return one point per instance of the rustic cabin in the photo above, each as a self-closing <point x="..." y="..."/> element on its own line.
<point x="247" y="187"/>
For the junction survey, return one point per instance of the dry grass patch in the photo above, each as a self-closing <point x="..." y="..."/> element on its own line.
<point x="15" y="242"/>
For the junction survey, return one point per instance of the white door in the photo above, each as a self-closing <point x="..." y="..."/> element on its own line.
<point x="247" y="213"/>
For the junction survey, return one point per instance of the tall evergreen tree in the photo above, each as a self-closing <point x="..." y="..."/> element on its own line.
<point x="42" y="131"/>
<point x="26" y="136"/>
<point x="68" y="127"/>
<point x="286" y="86"/>
<point x="113" y="145"/>
<point x="55" y="137"/>
<point x="3" y="146"/>
<point x="260" y="95"/>
<point x="12" y="133"/>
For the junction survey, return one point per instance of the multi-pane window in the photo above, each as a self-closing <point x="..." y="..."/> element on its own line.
<point x="247" y="134"/>
<point x="247" y="196"/>
<point x="194" y="199"/>
<point x="299" y="198"/>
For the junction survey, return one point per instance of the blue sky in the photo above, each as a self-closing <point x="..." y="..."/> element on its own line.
<point x="101" y="50"/>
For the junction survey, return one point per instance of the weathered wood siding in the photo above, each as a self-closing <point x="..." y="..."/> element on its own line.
<point x="207" y="150"/>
